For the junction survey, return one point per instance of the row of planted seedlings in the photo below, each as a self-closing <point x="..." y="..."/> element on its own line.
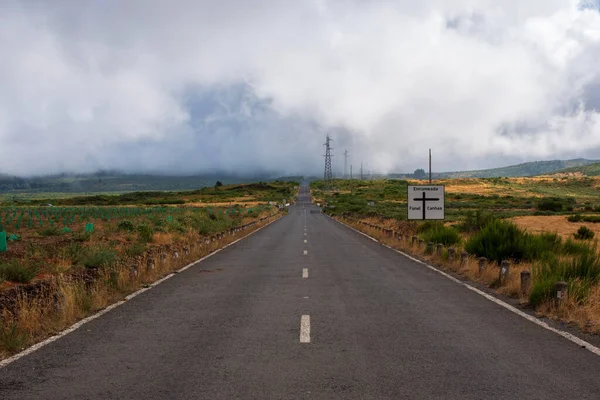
<point x="542" y="270"/>
<point x="52" y="221"/>
<point x="101" y="269"/>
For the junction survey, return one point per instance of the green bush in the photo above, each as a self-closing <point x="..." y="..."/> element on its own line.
<point x="99" y="257"/>
<point x="19" y="271"/>
<point x="50" y="231"/>
<point x="475" y="221"/>
<point x="581" y="272"/>
<point x="126" y="226"/>
<point x="555" y="204"/>
<point x="11" y="338"/>
<point x="575" y="218"/>
<point x="584" y="233"/>
<point x="145" y="233"/>
<point x="136" y="249"/>
<point x="502" y="240"/>
<point x="74" y="251"/>
<point x="572" y="247"/>
<point x="439" y="233"/>
<point x="584" y="218"/>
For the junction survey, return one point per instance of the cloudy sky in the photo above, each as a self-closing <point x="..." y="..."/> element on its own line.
<point x="253" y="85"/>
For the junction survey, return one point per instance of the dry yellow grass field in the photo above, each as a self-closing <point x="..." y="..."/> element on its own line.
<point x="553" y="223"/>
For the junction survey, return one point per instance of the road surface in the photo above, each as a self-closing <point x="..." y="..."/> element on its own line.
<point x="306" y="309"/>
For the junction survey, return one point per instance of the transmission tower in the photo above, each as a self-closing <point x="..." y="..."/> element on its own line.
<point x="328" y="176"/>
<point x="346" y="164"/>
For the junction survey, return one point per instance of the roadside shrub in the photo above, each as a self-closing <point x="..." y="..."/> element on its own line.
<point x="74" y="251"/>
<point x="126" y="226"/>
<point x="11" y="338"/>
<point x="145" y="233"/>
<point x="19" y="271"/>
<point x="428" y="225"/>
<point x="475" y="221"/>
<point x="50" y="231"/>
<point x="502" y="240"/>
<point x="571" y="247"/>
<point x="439" y="233"/>
<point x="99" y="257"/>
<point x="581" y="272"/>
<point x="136" y="249"/>
<point x="584" y="233"/>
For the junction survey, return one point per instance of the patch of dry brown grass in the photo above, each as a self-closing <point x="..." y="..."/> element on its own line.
<point x="552" y="223"/>
<point x="71" y="300"/>
<point x="163" y="238"/>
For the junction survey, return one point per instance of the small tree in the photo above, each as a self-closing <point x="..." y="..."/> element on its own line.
<point x="218" y="184"/>
<point x="584" y="233"/>
<point x="419" y="173"/>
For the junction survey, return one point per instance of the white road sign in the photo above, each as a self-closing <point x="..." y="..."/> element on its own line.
<point x="426" y="202"/>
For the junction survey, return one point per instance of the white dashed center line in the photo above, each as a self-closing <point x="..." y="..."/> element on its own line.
<point x="305" y="329"/>
<point x="304" y="240"/>
<point x="305" y="252"/>
<point x="305" y="273"/>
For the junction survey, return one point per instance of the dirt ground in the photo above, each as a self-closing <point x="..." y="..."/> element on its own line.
<point x="553" y="223"/>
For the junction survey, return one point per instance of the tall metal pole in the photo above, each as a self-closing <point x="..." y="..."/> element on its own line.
<point x="350" y="171"/>
<point x="328" y="175"/>
<point x="346" y="164"/>
<point x="430" y="166"/>
<point x="361" y="171"/>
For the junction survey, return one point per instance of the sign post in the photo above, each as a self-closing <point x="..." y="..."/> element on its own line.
<point x="426" y="202"/>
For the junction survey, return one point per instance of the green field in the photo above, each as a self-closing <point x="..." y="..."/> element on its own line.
<point x="505" y="197"/>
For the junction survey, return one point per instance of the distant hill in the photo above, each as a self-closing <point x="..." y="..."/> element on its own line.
<point x="588" y="170"/>
<point x="118" y="182"/>
<point x="526" y="169"/>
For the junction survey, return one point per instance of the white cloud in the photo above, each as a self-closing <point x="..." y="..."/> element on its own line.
<point x="92" y="84"/>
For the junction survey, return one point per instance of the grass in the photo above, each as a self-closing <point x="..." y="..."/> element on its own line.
<point x="502" y="240"/>
<point x="100" y="256"/>
<point x="438" y="233"/>
<point x="18" y="271"/>
<point x="128" y="248"/>
<point x="529" y="221"/>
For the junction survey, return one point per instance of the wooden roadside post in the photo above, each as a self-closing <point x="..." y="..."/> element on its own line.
<point x="504" y="270"/>
<point x="464" y="256"/>
<point x="482" y="262"/>
<point x="562" y="291"/>
<point x="525" y="283"/>
<point x="451" y="253"/>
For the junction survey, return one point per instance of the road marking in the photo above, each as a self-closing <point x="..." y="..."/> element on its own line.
<point x="570" y="337"/>
<point x="74" y="327"/>
<point x="305" y="329"/>
<point x="304" y="233"/>
<point x="304" y="240"/>
<point x="305" y="252"/>
<point x="305" y="273"/>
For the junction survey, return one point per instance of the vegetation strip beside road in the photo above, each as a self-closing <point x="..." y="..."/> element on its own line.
<point x="489" y="247"/>
<point x="52" y="280"/>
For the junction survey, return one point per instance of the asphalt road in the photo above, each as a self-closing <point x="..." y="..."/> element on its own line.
<point x="381" y="327"/>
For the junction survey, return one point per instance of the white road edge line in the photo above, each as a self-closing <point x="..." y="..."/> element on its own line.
<point x="77" y="325"/>
<point x="305" y="273"/>
<point x="305" y="329"/>
<point x="578" y="341"/>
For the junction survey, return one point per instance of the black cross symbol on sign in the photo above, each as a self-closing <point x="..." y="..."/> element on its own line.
<point x="424" y="201"/>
